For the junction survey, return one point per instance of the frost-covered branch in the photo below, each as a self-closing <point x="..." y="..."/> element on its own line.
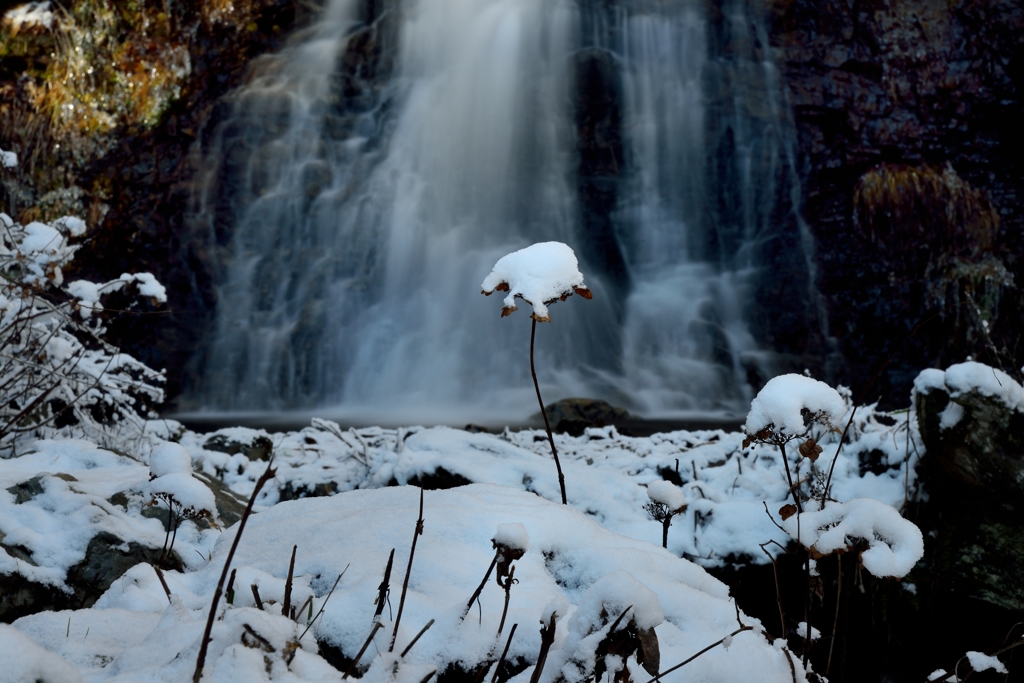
<point x="56" y="371"/>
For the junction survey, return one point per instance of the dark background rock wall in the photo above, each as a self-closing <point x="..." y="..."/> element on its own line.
<point x="133" y="183"/>
<point x="901" y="85"/>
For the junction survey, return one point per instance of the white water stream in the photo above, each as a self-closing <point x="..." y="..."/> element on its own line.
<point x="360" y="225"/>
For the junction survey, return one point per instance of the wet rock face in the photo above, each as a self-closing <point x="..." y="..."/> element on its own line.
<point x="973" y="471"/>
<point x="913" y="85"/>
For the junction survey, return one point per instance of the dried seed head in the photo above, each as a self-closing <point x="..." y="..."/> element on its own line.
<point x="810" y="449"/>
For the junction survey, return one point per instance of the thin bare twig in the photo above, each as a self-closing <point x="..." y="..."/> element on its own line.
<point x="230" y="593"/>
<point x="480" y="588"/>
<point x="321" y="610"/>
<point x="508" y="594"/>
<point x="267" y="475"/>
<point x="256" y="596"/>
<point x="376" y="627"/>
<point x="778" y="589"/>
<point x="544" y="413"/>
<point x="286" y="604"/>
<point x="504" y="653"/>
<point x="408" y="570"/>
<point x="384" y="588"/>
<point x="835" y="621"/>
<point x="547" y="639"/>
<point x="709" y="647"/>
<point x="413" y="641"/>
<point x="163" y="582"/>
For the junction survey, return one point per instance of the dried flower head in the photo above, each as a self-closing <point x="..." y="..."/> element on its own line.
<point x="540" y="274"/>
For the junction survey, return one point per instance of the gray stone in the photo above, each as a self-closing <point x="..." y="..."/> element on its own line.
<point x="573" y="415"/>
<point x="106" y="560"/>
<point x="27" y="490"/>
<point x="257" y="449"/>
<point x="984" y="450"/>
<point x="973" y="473"/>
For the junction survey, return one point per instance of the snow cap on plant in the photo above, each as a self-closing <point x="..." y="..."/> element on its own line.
<point x="786" y="402"/>
<point x="510" y="543"/>
<point x="668" y="494"/>
<point x="540" y="274"/>
<point x="169" y="458"/>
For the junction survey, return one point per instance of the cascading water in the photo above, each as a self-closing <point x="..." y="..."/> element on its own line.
<point x="365" y="181"/>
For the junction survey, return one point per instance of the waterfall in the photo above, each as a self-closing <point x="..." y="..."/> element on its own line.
<point x="365" y="180"/>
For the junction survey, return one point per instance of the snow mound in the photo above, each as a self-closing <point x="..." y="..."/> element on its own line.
<point x="780" y="405"/>
<point x="169" y="458"/>
<point x="539" y="274"/>
<point x="894" y="543"/>
<point x="581" y="573"/>
<point x="23" y="661"/>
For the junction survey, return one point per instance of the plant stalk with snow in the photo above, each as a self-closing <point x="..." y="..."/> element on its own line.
<point x="667" y="501"/>
<point x="172" y="483"/>
<point x="540" y="275"/>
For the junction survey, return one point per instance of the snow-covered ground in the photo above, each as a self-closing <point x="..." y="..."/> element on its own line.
<point x="586" y="562"/>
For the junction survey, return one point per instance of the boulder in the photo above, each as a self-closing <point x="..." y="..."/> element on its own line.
<point x="251" y="443"/>
<point x="106" y="559"/>
<point x="573" y="415"/>
<point x="973" y="471"/>
<point x="976" y="440"/>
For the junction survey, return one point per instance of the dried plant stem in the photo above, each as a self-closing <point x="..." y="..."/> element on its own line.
<point x="835" y="621"/>
<point x="384" y="587"/>
<point x="807" y="605"/>
<point x="302" y="608"/>
<point x="508" y="594"/>
<point x="544" y="413"/>
<point x="256" y="596"/>
<point x="789" y="477"/>
<point x="778" y="589"/>
<point x="408" y="570"/>
<point x="376" y="627"/>
<point x="286" y="604"/>
<point x="479" y="589"/>
<point x="709" y="647"/>
<point x="267" y="475"/>
<point x="666" y="523"/>
<point x="413" y="641"/>
<point x="547" y="639"/>
<point x="163" y="582"/>
<point x="321" y="610"/>
<point x="504" y="653"/>
<point x="230" y="593"/>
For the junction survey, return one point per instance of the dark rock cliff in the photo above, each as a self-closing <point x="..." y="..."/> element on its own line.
<point x="106" y="131"/>
<point x="905" y="115"/>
